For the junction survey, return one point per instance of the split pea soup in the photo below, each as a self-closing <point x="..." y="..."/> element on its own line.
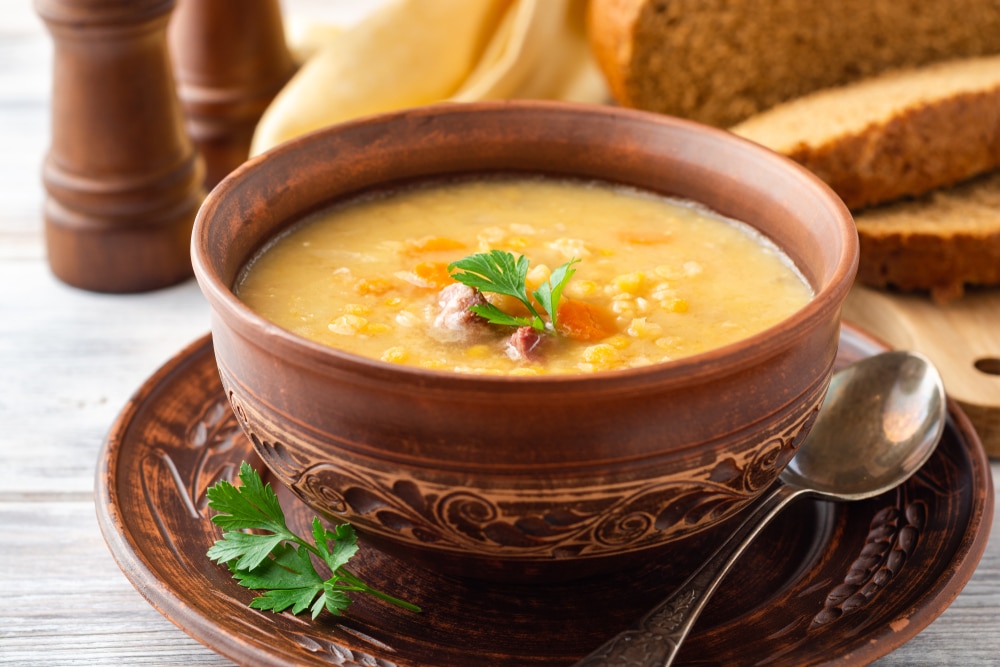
<point x="637" y="278"/>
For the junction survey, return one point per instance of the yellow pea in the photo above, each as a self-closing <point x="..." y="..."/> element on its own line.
<point x="675" y="305"/>
<point x="478" y="351"/>
<point x="618" y="341"/>
<point x="395" y="355"/>
<point x="630" y="283"/>
<point x="640" y="328"/>
<point x="347" y="325"/>
<point x="357" y="309"/>
<point x="601" y="354"/>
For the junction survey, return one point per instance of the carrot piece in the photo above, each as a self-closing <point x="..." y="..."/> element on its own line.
<point x="645" y="238"/>
<point x="432" y="244"/>
<point x="581" y="320"/>
<point x="433" y="274"/>
<point x="376" y="286"/>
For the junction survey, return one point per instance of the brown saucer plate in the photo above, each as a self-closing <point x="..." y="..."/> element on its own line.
<point x="826" y="583"/>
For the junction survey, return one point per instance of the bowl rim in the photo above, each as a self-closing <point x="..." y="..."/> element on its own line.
<point x="717" y="361"/>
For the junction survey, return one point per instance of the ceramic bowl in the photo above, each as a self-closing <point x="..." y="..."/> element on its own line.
<point x="526" y="477"/>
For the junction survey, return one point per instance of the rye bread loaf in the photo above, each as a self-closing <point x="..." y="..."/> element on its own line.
<point x="721" y="61"/>
<point x="898" y="134"/>
<point x="941" y="242"/>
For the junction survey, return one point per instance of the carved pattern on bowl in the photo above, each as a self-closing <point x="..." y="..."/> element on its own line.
<point x="587" y="520"/>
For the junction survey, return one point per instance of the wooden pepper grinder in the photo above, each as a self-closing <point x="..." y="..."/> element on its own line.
<point x="124" y="181"/>
<point x="230" y="60"/>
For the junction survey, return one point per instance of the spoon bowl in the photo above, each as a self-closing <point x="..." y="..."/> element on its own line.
<point x="879" y="423"/>
<point x="895" y="399"/>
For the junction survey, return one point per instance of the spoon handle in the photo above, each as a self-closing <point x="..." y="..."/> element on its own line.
<point x="655" y="640"/>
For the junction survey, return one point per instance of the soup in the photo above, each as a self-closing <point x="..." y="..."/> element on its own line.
<point x="638" y="279"/>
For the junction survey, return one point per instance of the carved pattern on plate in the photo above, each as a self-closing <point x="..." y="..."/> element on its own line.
<point x="892" y="536"/>
<point x="197" y="464"/>
<point x="193" y="464"/>
<point x="590" y="521"/>
<point x="763" y="624"/>
<point x="334" y="653"/>
<point x="209" y="438"/>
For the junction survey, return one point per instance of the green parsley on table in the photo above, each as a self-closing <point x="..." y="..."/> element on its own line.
<point x="264" y="554"/>
<point x="500" y="272"/>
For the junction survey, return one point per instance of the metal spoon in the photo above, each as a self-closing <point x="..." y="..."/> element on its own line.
<point x="880" y="421"/>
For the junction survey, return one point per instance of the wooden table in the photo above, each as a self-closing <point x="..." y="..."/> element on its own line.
<point x="70" y="359"/>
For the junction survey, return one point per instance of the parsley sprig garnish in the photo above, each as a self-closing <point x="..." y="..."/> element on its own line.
<point x="274" y="559"/>
<point x="500" y="272"/>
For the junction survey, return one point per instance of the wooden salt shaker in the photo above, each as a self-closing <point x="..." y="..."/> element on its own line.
<point x="124" y="182"/>
<point x="230" y="59"/>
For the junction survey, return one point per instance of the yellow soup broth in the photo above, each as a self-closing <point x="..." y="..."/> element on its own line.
<point x="657" y="278"/>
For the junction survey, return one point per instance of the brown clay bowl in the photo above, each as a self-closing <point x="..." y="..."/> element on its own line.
<point x="520" y="477"/>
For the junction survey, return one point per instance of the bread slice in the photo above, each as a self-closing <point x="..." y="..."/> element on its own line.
<point x="720" y="61"/>
<point x="939" y="243"/>
<point x="898" y="134"/>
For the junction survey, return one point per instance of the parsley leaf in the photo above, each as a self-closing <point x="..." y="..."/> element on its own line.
<point x="499" y="272"/>
<point x="549" y="292"/>
<point x="495" y="271"/>
<point x="494" y="315"/>
<point x="288" y="579"/>
<point x="275" y="560"/>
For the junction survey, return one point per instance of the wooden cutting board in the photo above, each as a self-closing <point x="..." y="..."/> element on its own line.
<point x="962" y="338"/>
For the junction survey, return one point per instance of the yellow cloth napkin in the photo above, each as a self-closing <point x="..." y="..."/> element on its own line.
<point x="413" y="52"/>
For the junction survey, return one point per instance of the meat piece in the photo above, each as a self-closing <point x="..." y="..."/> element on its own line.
<point x="525" y="344"/>
<point x="455" y="322"/>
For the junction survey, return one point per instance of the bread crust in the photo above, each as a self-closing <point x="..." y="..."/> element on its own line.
<point x="609" y="24"/>
<point x="918" y="150"/>
<point x="944" y="267"/>
<point x="938" y="243"/>
<point x="934" y="136"/>
<point x="720" y="61"/>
